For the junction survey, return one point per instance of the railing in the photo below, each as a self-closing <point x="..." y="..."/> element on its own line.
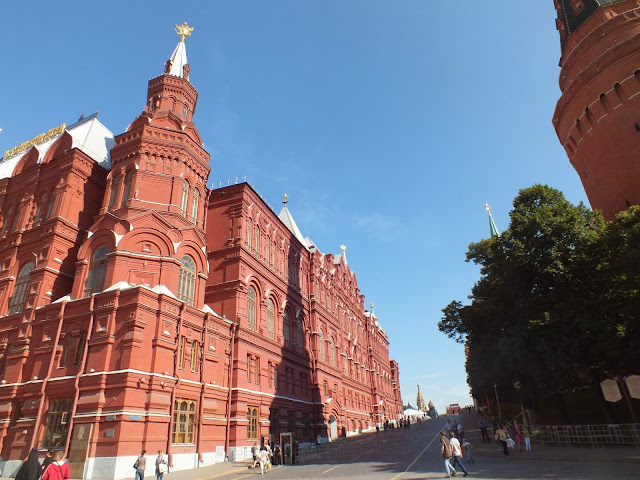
<point x="614" y="435"/>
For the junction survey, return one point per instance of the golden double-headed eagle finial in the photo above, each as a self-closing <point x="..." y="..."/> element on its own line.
<point x="184" y="30"/>
<point x="286" y="198"/>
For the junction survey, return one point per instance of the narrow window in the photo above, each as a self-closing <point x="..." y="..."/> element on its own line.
<point x="97" y="271"/>
<point x="299" y="334"/>
<point x="256" y="243"/>
<point x="249" y="232"/>
<point x="185" y="197"/>
<point x="195" y="205"/>
<point x="268" y="247"/>
<point x="40" y="210"/>
<point x="273" y="255"/>
<point x="115" y="190"/>
<point x="194" y="356"/>
<point x="321" y="346"/>
<point x="251" y="308"/>
<point x="128" y="179"/>
<point x="187" y="280"/>
<point x="20" y="290"/>
<point x="80" y="346"/>
<point x="332" y="352"/>
<point x="50" y="206"/>
<point x="286" y="333"/>
<point x="252" y="428"/>
<point x="14" y="220"/>
<point x="181" y="352"/>
<point x="271" y="319"/>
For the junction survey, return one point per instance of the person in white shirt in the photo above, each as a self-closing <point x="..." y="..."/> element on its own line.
<point x="456" y="454"/>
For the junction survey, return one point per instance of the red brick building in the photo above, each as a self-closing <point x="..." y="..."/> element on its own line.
<point x="142" y="310"/>
<point x="596" y="118"/>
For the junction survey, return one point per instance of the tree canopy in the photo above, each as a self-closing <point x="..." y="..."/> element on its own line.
<point x="556" y="304"/>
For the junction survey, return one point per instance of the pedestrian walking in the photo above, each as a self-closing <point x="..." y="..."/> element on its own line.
<point x="58" y="470"/>
<point x="445" y="452"/>
<point x="456" y="454"/>
<point x="467" y="446"/>
<point x="161" y="465"/>
<point x="501" y="437"/>
<point x="140" y="465"/>
<point x="484" y="424"/>
<point x="255" y="450"/>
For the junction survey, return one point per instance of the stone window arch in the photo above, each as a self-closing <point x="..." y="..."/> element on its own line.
<point x="97" y="271"/>
<point x="299" y="334"/>
<point x="249" y="232"/>
<point x="332" y="351"/>
<point x="115" y="190"/>
<point x="187" y="280"/>
<point x="16" y="302"/>
<point x="51" y="204"/>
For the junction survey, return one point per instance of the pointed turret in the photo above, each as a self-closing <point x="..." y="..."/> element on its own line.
<point x="493" y="229"/>
<point x="289" y="222"/>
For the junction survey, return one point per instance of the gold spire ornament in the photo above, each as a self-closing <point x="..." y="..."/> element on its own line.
<point x="184" y="30"/>
<point x="286" y="198"/>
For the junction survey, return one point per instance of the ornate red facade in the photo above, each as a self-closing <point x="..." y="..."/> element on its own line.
<point x="141" y="310"/>
<point x="596" y="117"/>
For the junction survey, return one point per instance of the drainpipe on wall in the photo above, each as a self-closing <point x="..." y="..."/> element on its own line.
<point x="175" y="386"/>
<point x="202" y="385"/>
<point x="36" y="427"/>
<point x="233" y="331"/>
<point x="81" y="370"/>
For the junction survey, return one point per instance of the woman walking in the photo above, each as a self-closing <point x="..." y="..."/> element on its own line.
<point x="501" y="436"/>
<point x="161" y="465"/>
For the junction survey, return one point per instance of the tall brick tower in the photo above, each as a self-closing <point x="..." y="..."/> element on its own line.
<point x="151" y="225"/>
<point x="597" y="118"/>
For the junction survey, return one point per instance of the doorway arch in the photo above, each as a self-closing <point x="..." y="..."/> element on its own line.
<point x="333" y="427"/>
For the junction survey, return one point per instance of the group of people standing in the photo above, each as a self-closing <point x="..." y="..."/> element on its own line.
<point x="521" y="434"/>
<point x="53" y="467"/>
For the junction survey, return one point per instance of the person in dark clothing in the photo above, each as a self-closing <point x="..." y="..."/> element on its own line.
<point x="48" y="460"/>
<point x="30" y="469"/>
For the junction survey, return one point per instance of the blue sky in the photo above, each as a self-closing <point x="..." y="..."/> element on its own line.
<point x="389" y="123"/>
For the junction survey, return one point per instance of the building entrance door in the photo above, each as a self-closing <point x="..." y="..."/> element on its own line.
<point x="287" y="447"/>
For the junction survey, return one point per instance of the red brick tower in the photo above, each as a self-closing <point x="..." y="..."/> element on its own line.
<point x="596" y="118"/>
<point x="151" y="225"/>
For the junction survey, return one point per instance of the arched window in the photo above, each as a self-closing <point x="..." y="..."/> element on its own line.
<point x="286" y="333"/>
<point x="187" y="280"/>
<point x="251" y="308"/>
<point x="249" y="232"/>
<point x="20" y="290"/>
<point x="321" y="345"/>
<point x="14" y="220"/>
<point x="332" y="351"/>
<point x="115" y="190"/>
<point x="185" y="197"/>
<point x="195" y="204"/>
<point x="271" y="319"/>
<point x="126" y="192"/>
<point x="97" y="271"/>
<point x="51" y="204"/>
<point x="40" y="210"/>
<point x="299" y="334"/>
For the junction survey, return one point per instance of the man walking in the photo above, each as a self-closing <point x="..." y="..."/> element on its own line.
<point x="484" y="424"/>
<point x="445" y="451"/>
<point x="456" y="454"/>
